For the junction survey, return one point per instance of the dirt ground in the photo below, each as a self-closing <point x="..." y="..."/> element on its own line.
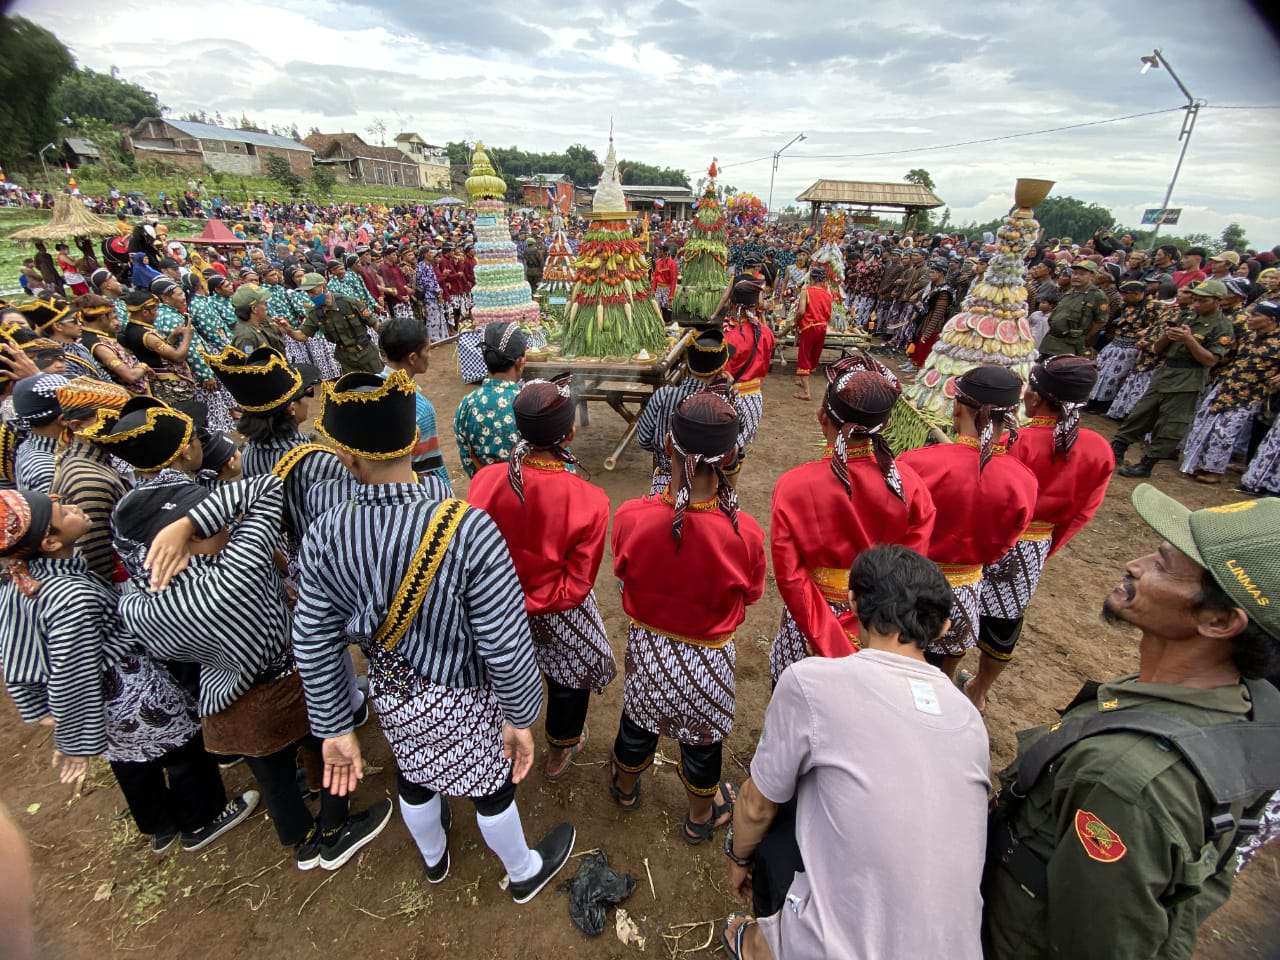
<point x="101" y="893"/>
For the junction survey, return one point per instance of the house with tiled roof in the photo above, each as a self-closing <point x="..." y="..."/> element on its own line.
<point x="351" y="160"/>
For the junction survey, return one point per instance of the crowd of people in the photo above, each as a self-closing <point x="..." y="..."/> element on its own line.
<point x="186" y="571"/>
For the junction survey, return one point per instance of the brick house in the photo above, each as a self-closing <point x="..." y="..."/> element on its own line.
<point x="351" y="160"/>
<point x="193" y="146"/>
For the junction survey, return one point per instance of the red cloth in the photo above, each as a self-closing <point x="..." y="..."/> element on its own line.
<point x="665" y="274"/>
<point x="815" y="523"/>
<point x="393" y="277"/>
<point x="1185" y="278"/>
<point x="445" y="274"/>
<point x="700" y="591"/>
<point x="469" y="272"/>
<point x="813" y="329"/>
<point x="556" y="537"/>
<point x="741" y="337"/>
<point x="1070" y="491"/>
<point x="372" y="281"/>
<point x="922" y="350"/>
<point x="985" y="515"/>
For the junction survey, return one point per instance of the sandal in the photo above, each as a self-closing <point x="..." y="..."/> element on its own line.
<point x="629" y="802"/>
<point x="734" y="950"/>
<point x="962" y="678"/>
<point x="696" y="833"/>
<point x="573" y="755"/>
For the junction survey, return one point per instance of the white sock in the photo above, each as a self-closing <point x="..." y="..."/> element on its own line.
<point x="504" y="834"/>
<point x="423" y="821"/>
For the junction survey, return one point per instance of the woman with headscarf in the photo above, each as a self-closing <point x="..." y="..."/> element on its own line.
<point x="171" y="316"/>
<point x="1073" y="467"/>
<point x="554" y="523"/>
<point x="690" y="563"/>
<point x="827" y="512"/>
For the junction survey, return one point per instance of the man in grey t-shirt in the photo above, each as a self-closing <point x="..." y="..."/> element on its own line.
<point x="888" y="765"/>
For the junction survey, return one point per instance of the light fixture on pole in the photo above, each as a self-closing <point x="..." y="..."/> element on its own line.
<point x="48" y="182"/>
<point x="777" y="153"/>
<point x="1191" y="111"/>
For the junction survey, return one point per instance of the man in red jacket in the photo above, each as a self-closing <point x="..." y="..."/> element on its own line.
<point x="690" y="564"/>
<point x="1073" y="467"/>
<point x="989" y="498"/>
<point x="554" y="523"/>
<point x="827" y="512"/>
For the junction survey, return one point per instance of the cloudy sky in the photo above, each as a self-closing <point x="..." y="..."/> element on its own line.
<point x="685" y="80"/>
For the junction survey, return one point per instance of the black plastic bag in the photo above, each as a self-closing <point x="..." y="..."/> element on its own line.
<point x="593" y="889"/>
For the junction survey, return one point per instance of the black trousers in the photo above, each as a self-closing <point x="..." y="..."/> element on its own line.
<point x="566" y="713"/>
<point x="277" y="776"/>
<point x="487" y="806"/>
<point x="777" y="861"/>
<point x="192" y="796"/>
<point x="997" y="636"/>
<point x="634" y="747"/>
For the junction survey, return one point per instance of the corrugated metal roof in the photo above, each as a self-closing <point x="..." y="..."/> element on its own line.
<point x="211" y="131"/>
<point x="878" y="194"/>
<point x="84" y="148"/>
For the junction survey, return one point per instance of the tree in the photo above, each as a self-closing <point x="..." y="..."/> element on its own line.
<point x="378" y="130"/>
<point x="112" y="155"/>
<point x="33" y="63"/>
<point x="1066" y="216"/>
<point x="919" y="176"/>
<point x="322" y="181"/>
<point x="313" y="132"/>
<point x="278" y="169"/>
<point x="1233" y="238"/>
<point x="104" y="96"/>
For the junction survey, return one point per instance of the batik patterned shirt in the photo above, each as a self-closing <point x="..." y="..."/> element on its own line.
<point x="485" y="426"/>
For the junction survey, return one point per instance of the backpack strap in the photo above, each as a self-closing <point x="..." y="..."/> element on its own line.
<point x="421" y="573"/>
<point x="1235" y="761"/>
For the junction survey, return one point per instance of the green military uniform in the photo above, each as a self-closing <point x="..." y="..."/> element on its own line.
<point x="248" y="336"/>
<point x="1076" y="313"/>
<point x="1121" y="821"/>
<point x="1168" y="407"/>
<point x="344" y="323"/>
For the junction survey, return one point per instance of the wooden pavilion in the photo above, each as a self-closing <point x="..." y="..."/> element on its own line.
<point x="868" y="200"/>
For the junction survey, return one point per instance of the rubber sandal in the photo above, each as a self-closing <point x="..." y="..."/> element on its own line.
<point x="734" y="950"/>
<point x="573" y="755"/>
<point x="627" y="802"/>
<point x="696" y="833"/>
<point x="962" y="679"/>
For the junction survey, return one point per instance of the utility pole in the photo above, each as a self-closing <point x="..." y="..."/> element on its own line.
<point x="777" y="153"/>
<point x="1191" y="111"/>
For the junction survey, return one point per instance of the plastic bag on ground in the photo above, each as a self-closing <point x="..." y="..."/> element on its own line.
<point x="593" y="889"/>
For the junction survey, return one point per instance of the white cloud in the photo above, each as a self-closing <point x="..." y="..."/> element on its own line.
<point x="684" y="82"/>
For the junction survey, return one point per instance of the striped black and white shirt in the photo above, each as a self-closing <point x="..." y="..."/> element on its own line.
<point x="55" y="648"/>
<point x="471" y="629"/>
<point x="225" y="612"/>
<point x="34" y="462"/>
<point x="86" y="478"/>
<point x="259" y="457"/>
<point x="654" y="422"/>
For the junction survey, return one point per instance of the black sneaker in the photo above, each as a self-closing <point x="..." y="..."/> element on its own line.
<point x="359" y="829"/>
<point x="231" y="816"/>
<point x="361" y="716"/>
<point x="161" y="842"/>
<point x="441" y="870"/>
<point x="554" y="849"/>
<point x="306" y="854"/>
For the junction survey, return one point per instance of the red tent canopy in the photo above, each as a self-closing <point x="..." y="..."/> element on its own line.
<point x="216" y="234"/>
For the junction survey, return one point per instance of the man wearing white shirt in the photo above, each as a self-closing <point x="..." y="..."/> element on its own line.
<point x="888" y="765"/>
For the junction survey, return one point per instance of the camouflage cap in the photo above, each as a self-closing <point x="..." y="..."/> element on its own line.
<point x="1238" y="543"/>
<point x="1209" y="288"/>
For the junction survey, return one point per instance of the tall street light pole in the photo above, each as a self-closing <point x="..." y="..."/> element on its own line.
<point x="1192" y="110"/>
<point x="48" y="182"/>
<point x="776" y="154"/>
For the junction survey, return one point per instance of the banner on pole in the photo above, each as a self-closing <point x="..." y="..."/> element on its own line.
<point x="1161" y="215"/>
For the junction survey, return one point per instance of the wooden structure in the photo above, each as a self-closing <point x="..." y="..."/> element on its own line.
<point x="868" y="199"/>
<point x="624" y="387"/>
